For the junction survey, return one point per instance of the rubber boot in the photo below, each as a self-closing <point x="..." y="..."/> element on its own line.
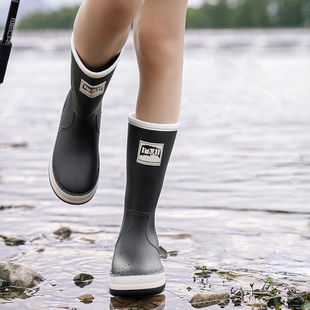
<point x="74" y="164"/>
<point x="136" y="266"/>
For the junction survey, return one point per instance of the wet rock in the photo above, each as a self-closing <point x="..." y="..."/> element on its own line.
<point x="86" y="298"/>
<point x="13" y="241"/>
<point x="144" y="303"/>
<point x="205" y="273"/>
<point x="201" y="300"/>
<point x="296" y="300"/>
<point x="19" y="275"/>
<point x="13" y="144"/>
<point x="63" y="232"/>
<point x="261" y="293"/>
<point x="39" y="250"/>
<point x="274" y="301"/>
<point x="21" y="207"/>
<point x="83" y="279"/>
<point x="307" y="296"/>
<point x="89" y="240"/>
<point x="38" y="237"/>
<point x="173" y="253"/>
<point x="236" y="297"/>
<point x="162" y="252"/>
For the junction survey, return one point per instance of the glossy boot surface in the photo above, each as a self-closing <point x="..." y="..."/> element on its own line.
<point x="136" y="267"/>
<point x="74" y="165"/>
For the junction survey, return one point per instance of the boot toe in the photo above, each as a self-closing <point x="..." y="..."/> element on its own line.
<point x="74" y="166"/>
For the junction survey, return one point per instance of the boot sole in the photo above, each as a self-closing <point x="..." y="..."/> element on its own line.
<point x="66" y="197"/>
<point x="137" y="285"/>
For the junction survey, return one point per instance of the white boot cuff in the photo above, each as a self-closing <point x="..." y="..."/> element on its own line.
<point x="91" y="74"/>
<point x="151" y="126"/>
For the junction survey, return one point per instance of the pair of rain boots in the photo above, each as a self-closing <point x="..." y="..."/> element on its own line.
<point x="74" y="172"/>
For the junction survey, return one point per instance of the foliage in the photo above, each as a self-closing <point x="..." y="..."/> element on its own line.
<point x="250" y="14"/>
<point x="212" y="14"/>
<point x="62" y="19"/>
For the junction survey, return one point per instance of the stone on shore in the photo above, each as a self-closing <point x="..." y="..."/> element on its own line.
<point x="19" y="275"/>
<point x="86" y="298"/>
<point x="201" y="300"/>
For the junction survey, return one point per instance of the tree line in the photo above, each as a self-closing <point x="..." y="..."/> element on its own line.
<point x="250" y="14"/>
<point x="212" y="14"/>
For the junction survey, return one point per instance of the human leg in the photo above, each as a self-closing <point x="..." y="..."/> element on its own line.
<point x="136" y="267"/>
<point x="101" y="29"/>
<point x="159" y="40"/>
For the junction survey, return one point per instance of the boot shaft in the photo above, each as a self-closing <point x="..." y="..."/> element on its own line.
<point x="88" y="87"/>
<point x="149" y="148"/>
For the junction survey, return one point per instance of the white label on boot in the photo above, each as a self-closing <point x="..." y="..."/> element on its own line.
<point x="92" y="91"/>
<point x="150" y="154"/>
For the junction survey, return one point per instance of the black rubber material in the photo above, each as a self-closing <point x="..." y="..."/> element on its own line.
<point x="138" y="293"/>
<point x="75" y="162"/>
<point x="5" y="51"/>
<point x="136" y="250"/>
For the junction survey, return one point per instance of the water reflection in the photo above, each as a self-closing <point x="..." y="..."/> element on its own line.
<point x="10" y="292"/>
<point x="144" y="303"/>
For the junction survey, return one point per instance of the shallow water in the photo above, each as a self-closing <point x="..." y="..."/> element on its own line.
<point x="236" y="196"/>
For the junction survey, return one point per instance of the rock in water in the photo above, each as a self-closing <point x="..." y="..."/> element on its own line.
<point x="86" y="298"/>
<point x="83" y="279"/>
<point x="201" y="300"/>
<point x="19" y="275"/>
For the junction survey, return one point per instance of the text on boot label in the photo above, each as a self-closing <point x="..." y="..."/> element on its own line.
<point x="92" y="91"/>
<point x="150" y="154"/>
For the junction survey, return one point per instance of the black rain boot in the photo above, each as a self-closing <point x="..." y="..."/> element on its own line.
<point x="74" y="164"/>
<point x="136" y="267"/>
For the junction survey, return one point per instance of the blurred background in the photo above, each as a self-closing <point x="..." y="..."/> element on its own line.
<point x="201" y="13"/>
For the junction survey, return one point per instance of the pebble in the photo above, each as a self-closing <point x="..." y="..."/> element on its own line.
<point x="63" y="232"/>
<point x="83" y="279"/>
<point x="13" y="241"/>
<point x="163" y="253"/>
<point x="22" y="207"/>
<point x="19" y="275"/>
<point x="307" y="296"/>
<point x="201" y="300"/>
<point x="274" y="301"/>
<point x="38" y="237"/>
<point x="86" y="298"/>
<point x="295" y="301"/>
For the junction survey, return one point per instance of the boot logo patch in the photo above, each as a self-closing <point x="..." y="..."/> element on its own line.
<point x="92" y="91"/>
<point x="150" y="154"/>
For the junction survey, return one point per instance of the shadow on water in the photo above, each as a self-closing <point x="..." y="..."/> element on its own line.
<point x="143" y="303"/>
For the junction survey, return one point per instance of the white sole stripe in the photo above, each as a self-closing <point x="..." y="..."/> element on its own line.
<point x="127" y="283"/>
<point x="73" y="199"/>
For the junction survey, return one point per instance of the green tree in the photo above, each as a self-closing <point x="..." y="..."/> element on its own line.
<point x="209" y="16"/>
<point x="62" y="19"/>
<point x="251" y="13"/>
<point x="290" y="13"/>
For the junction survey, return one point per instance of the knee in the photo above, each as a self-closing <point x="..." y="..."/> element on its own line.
<point x="122" y="8"/>
<point x="157" y="47"/>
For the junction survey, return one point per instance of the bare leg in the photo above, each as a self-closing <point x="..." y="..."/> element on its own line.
<point x="101" y="29"/>
<point x="159" y="42"/>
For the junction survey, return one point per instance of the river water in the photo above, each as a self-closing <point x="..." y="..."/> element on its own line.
<point x="237" y="193"/>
